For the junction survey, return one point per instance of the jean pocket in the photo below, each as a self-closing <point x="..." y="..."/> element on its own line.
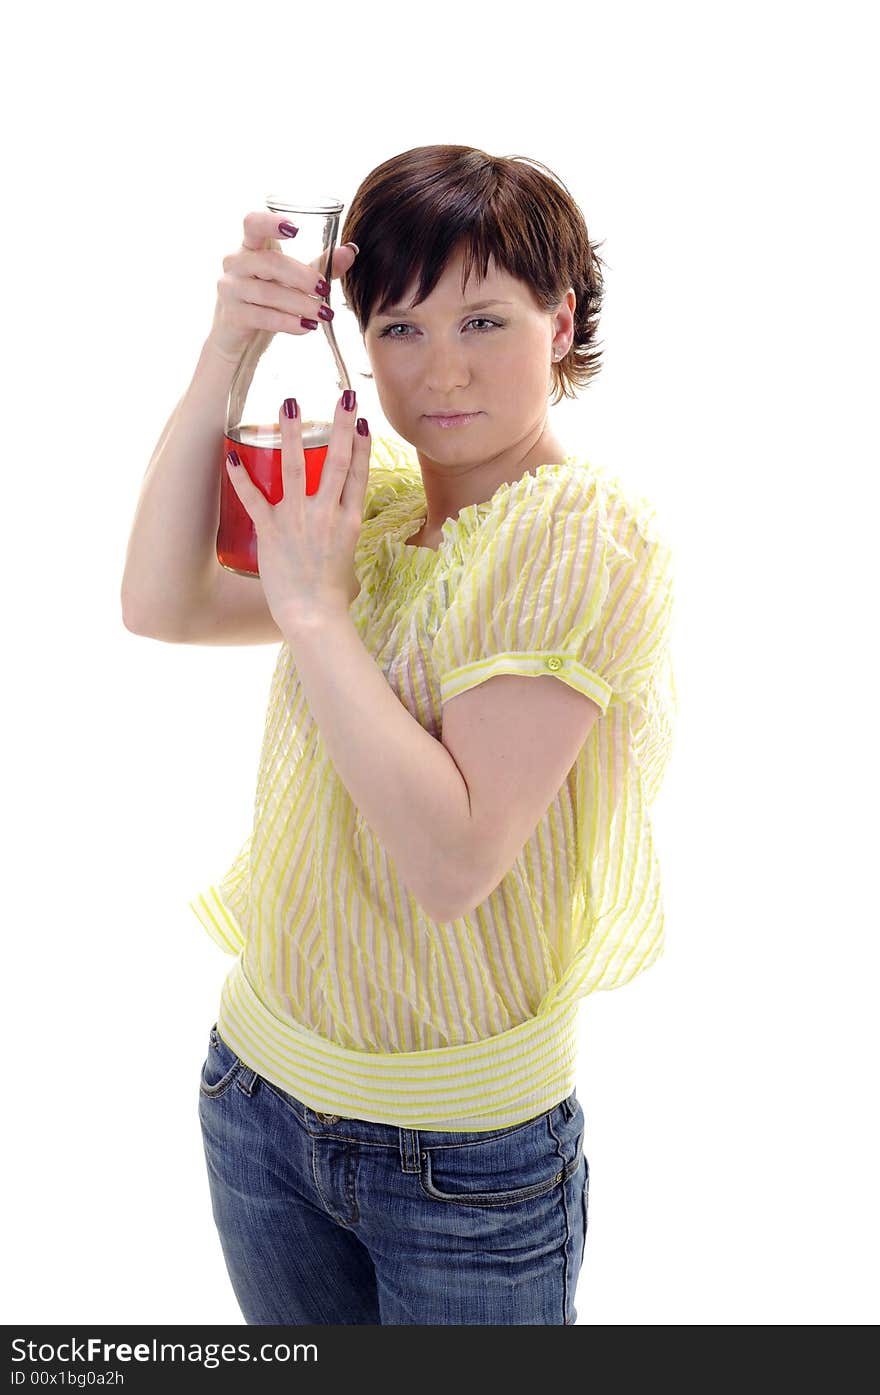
<point x="221" y="1067"/>
<point x="506" y="1169"/>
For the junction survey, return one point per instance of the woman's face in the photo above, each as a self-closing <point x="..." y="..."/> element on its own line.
<point x="486" y="352"/>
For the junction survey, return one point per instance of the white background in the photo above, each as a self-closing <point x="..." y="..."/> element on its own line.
<point x="722" y="153"/>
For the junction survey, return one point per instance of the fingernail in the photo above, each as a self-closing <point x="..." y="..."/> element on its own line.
<point x="348" y="400"/>
<point x="323" y="286"/>
<point x="288" y="229"/>
<point x="308" y="324"/>
<point x="352" y="244"/>
<point x="290" y="409"/>
<point x="362" y="428"/>
<point x="325" y="313"/>
<point x="232" y="457"/>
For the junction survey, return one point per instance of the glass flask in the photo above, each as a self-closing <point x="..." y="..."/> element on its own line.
<point x="276" y="365"/>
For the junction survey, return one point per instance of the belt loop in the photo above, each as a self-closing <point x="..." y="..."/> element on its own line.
<point x="410" y="1159"/>
<point x="247" y="1080"/>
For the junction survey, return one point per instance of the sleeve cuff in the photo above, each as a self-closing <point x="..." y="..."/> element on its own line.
<point x="533" y="664"/>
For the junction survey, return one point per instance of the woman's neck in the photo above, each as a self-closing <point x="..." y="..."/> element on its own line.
<point x="451" y="488"/>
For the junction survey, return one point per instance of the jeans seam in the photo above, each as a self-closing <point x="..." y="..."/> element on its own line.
<point x="568" y="1170"/>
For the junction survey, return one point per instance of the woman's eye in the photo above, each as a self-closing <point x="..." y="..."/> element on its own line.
<point x="477" y="320"/>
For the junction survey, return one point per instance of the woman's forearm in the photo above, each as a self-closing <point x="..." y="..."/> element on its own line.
<point x="404" y="782"/>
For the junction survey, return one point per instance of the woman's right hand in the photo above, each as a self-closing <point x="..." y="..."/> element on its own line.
<point x="262" y="288"/>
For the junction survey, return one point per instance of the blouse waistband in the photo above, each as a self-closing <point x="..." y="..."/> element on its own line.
<point x="486" y="1084"/>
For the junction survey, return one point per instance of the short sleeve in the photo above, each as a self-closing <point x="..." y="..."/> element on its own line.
<point x="567" y="579"/>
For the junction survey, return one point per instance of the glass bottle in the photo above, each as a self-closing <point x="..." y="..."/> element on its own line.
<point x="276" y="365"/>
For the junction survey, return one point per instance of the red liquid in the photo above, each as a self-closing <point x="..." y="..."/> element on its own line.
<point x="259" y="448"/>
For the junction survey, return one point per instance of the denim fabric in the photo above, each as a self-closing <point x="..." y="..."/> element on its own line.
<point x="325" y="1219"/>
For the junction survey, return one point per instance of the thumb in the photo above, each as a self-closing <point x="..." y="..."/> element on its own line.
<point x="343" y="257"/>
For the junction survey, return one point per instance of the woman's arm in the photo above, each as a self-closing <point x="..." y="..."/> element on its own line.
<point x="171" y="551"/>
<point x="402" y="780"/>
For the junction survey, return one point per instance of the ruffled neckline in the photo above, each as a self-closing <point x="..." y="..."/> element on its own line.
<point x="455" y="531"/>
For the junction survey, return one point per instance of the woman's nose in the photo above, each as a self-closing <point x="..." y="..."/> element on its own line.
<point x="447" y="368"/>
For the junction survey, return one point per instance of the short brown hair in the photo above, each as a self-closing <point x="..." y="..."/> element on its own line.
<point x="413" y="212"/>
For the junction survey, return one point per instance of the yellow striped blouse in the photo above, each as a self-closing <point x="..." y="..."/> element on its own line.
<point x="344" y="992"/>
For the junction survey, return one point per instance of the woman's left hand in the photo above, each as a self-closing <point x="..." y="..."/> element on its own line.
<point x="306" y="543"/>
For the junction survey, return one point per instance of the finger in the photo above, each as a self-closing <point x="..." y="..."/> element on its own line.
<point x="276" y="280"/>
<point x="338" y="458"/>
<point x="262" y="228"/>
<point x="252" y="498"/>
<point x="263" y="232"/>
<point x="354" y="491"/>
<point x="293" y="460"/>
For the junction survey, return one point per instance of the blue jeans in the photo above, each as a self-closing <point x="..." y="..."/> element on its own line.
<point x="324" y="1219"/>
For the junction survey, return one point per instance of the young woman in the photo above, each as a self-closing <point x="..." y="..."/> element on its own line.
<point x="470" y="714"/>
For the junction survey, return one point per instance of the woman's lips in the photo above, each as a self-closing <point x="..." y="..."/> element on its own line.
<point x="460" y="419"/>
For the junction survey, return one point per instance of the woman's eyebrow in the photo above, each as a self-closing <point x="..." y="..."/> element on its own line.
<point x="407" y="310"/>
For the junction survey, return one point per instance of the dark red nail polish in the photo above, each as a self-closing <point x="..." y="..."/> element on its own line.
<point x="325" y="313"/>
<point x="362" y="428"/>
<point x="348" y="400"/>
<point x="287" y="229"/>
<point x="323" y="287"/>
<point x="290" y="408"/>
<point x="308" y="324"/>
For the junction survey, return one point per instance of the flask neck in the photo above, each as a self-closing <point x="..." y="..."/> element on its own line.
<point x="307" y="365"/>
